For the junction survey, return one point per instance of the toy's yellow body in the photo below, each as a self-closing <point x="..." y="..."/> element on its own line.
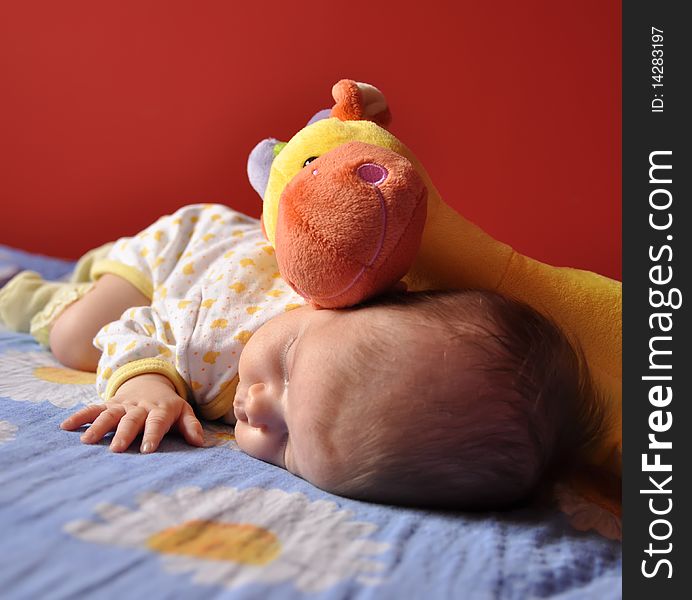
<point x="454" y="253"/>
<point x="587" y="306"/>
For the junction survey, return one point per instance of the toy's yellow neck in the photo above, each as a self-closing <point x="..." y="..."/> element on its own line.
<point x="455" y="253"/>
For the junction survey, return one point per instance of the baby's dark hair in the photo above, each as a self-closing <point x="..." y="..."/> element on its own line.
<point x="529" y="408"/>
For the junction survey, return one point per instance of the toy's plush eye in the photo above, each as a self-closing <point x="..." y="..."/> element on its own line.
<point x="309" y="160"/>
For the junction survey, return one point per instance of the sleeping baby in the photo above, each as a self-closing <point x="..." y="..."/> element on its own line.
<point x="450" y="399"/>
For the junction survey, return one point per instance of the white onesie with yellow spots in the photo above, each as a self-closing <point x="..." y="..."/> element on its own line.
<point x="213" y="280"/>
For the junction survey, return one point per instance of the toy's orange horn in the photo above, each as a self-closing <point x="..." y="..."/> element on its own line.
<point x="356" y="101"/>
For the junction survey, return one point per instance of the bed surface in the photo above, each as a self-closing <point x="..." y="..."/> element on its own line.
<point x="185" y="522"/>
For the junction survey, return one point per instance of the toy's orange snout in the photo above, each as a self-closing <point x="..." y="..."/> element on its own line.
<point x="350" y="224"/>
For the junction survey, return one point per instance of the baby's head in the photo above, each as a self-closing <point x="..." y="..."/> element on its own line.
<point x="452" y="399"/>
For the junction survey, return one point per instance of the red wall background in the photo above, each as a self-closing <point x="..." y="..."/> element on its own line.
<point x="112" y="114"/>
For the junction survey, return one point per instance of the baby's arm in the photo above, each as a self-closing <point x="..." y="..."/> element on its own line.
<point x="139" y="384"/>
<point x="146" y="403"/>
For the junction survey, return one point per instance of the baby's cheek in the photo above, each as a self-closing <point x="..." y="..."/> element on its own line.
<point x="241" y="436"/>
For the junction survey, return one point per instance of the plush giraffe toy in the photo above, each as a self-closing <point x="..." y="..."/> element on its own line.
<point x="351" y="211"/>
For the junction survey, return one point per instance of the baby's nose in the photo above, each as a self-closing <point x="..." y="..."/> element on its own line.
<point x="262" y="409"/>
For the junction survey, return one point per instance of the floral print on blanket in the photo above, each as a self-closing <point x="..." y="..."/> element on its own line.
<point x="219" y="434"/>
<point x="231" y="537"/>
<point x="38" y="377"/>
<point x="8" y="431"/>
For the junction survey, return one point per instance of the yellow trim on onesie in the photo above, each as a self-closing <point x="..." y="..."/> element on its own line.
<point x="127" y="272"/>
<point x="140" y="367"/>
<point x="222" y="404"/>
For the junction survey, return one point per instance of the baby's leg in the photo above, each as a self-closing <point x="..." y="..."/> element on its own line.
<point x="72" y="333"/>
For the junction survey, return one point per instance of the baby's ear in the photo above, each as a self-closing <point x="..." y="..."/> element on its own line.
<point x="356" y="101"/>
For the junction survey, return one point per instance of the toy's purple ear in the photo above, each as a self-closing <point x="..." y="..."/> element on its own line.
<point x="322" y="114"/>
<point x="259" y="163"/>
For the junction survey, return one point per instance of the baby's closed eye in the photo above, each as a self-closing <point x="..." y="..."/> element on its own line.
<point x="283" y="453"/>
<point x="284" y="359"/>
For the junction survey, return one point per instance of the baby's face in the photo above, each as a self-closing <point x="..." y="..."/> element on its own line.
<point x="306" y="404"/>
<point x="290" y="376"/>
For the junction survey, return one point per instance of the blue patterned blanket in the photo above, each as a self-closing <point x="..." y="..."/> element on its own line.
<point x="212" y="522"/>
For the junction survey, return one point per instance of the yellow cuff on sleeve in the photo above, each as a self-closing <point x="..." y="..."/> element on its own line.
<point x="127" y="272"/>
<point x="222" y="404"/>
<point x="139" y="367"/>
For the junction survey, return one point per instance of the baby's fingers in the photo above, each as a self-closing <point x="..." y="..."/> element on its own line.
<point x="83" y="416"/>
<point x="105" y="422"/>
<point x="190" y="427"/>
<point x="157" y="425"/>
<point x="128" y="428"/>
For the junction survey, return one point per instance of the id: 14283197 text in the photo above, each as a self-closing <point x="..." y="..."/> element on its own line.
<point x="657" y="69"/>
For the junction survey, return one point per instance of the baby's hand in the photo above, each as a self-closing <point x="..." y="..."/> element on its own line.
<point x="147" y="403"/>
